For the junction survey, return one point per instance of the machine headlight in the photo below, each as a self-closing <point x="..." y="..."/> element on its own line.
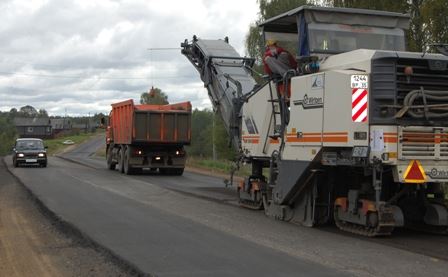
<point x="20" y="155"/>
<point x="41" y="155"/>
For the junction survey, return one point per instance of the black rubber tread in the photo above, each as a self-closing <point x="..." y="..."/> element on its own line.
<point x="384" y="228"/>
<point x="120" y="160"/>
<point x="127" y="168"/>
<point x="110" y="164"/>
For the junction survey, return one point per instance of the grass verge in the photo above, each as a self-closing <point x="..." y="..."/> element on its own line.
<point x="56" y="145"/>
<point x="101" y="152"/>
<point x="218" y="166"/>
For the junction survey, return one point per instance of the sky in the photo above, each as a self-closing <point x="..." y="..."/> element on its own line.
<point x="77" y="57"/>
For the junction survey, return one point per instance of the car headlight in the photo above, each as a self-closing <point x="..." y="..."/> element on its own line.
<point x="20" y="155"/>
<point x="41" y="155"/>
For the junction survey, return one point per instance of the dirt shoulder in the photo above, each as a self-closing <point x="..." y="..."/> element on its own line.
<point x="33" y="244"/>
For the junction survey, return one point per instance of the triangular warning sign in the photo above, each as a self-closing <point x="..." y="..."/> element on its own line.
<point x="415" y="173"/>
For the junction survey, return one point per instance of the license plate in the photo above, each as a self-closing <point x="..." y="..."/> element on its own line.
<point x="31" y="160"/>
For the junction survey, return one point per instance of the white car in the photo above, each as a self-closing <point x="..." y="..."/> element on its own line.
<point x="68" y="142"/>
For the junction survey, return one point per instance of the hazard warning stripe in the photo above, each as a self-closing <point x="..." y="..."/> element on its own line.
<point x="359" y="105"/>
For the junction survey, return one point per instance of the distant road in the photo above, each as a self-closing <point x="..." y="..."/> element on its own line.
<point x="190" y="226"/>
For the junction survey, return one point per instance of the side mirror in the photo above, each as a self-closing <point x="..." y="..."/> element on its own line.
<point x="45" y="147"/>
<point x="13" y="149"/>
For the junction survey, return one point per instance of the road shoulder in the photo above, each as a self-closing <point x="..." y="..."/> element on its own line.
<point x="34" y="243"/>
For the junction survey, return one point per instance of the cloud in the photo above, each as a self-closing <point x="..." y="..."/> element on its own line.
<point x="81" y="56"/>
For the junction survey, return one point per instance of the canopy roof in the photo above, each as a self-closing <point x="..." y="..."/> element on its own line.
<point x="287" y="22"/>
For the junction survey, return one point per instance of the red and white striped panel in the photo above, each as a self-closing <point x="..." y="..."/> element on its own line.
<point x="359" y="105"/>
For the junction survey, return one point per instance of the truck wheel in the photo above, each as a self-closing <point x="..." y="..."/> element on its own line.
<point x="128" y="170"/>
<point x="110" y="164"/>
<point x="120" y="157"/>
<point x="15" y="163"/>
<point x="177" y="171"/>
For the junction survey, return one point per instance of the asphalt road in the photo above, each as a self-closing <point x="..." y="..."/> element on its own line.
<point x="184" y="226"/>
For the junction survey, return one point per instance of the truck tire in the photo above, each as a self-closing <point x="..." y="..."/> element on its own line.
<point x="120" y="157"/>
<point x="177" y="171"/>
<point x="127" y="168"/>
<point x="110" y="164"/>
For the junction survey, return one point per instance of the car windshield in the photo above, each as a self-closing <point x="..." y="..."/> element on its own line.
<point x="29" y="145"/>
<point x="338" y="38"/>
<point x="287" y="41"/>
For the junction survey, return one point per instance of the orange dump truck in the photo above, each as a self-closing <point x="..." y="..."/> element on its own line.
<point x="148" y="136"/>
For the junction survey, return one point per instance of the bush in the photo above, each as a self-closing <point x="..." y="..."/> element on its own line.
<point x="8" y="134"/>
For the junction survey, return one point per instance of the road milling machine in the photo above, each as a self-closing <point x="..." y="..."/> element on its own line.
<point x="356" y="134"/>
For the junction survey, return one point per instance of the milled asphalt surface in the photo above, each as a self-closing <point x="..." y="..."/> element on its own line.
<point x="166" y="233"/>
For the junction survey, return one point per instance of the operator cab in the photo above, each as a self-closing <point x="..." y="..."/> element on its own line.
<point x="307" y="31"/>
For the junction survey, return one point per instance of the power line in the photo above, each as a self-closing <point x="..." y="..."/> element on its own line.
<point x="164" y="48"/>
<point x="92" y="77"/>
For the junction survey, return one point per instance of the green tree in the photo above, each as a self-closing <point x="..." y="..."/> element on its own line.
<point x="268" y="9"/>
<point x="28" y="111"/>
<point x="383" y="5"/>
<point x="42" y="113"/>
<point x="205" y="133"/>
<point x="8" y="134"/>
<point x="224" y="150"/>
<point x="435" y="17"/>
<point x="201" y="133"/>
<point x="155" y="96"/>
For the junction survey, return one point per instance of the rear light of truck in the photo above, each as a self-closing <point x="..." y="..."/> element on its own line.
<point x="179" y="153"/>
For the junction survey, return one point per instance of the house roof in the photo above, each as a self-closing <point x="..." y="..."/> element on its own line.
<point x="61" y="123"/>
<point x="32" y="121"/>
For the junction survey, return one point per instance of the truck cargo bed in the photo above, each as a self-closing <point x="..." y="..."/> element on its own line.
<point x="140" y="124"/>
